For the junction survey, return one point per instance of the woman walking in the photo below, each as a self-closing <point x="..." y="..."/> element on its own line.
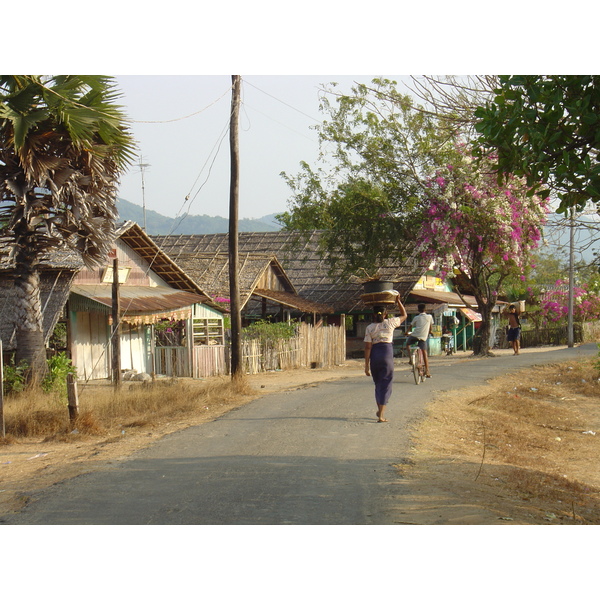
<point x="379" y="354"/>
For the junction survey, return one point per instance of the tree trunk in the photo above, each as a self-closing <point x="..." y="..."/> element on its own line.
<point x="484" y="330"/>
<point x="28" y="322"/>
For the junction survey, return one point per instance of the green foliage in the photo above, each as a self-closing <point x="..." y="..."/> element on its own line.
<point x="597" y="363"/>
<point x="14" y="376"/>
<point x="547" y="268"/>
<point x="58" y="339"/>
<point x="366" y="197"/>
<point x="59" y="366"/>
<point x="545" y="128"/>
<point x="266" y="332"/>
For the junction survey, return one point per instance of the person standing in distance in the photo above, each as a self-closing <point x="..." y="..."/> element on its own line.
<point x="421" y="328"/>
<point x="513" y="335"/>
<point x="379" y="354"/>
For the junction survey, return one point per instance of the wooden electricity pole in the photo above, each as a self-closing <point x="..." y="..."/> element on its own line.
<point x="2" y="423"/>
<point x="234" y="290"/>
<point x="571" y="298"/>
<point x="116" y="330"/>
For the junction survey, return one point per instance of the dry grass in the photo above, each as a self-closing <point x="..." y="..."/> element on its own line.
<point x="537" y="435"/>
<point x="103" y="410"/>
<point x="41" y="451"/>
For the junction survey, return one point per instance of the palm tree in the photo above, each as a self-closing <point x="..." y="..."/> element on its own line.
<point x="63" y="145"/>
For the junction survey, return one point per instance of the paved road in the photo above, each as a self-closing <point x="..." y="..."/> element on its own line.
<point x="311" y="456"/>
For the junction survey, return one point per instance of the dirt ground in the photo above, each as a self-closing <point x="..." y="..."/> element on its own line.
<point x="471" y="463"/>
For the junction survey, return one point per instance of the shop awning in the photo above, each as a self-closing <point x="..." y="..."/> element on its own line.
<point x="143" y="304"/>
<point x="471" y="314"/>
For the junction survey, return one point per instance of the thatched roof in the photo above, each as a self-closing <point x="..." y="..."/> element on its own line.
<point x="172" y="273"/>
<point x="57" y="270"/>
<point x="211" y="272"/>
<point x="302" y="260"/>
<point x="62" y="259"/>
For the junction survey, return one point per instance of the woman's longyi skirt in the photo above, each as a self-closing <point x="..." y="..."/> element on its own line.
<point x="382" y="370"/>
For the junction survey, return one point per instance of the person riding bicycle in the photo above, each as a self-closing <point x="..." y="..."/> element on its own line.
<point x="421" y="328"/>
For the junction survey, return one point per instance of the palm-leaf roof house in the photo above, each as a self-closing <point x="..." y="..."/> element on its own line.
<point x="264" y="286"/>
<point x="301" y="257"/>
<point x="305" y="264"/>
<point x="153" y="290"/>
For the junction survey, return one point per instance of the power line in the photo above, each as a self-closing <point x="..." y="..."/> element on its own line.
<point x="187" y="116"/>
<point x="246" y="105"/>
<point x="282" y="102"/>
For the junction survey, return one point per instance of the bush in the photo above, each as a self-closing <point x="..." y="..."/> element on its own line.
<point x="265" y="331"/>
<point x="59" y="366"/>
<point x="14" y="376"/>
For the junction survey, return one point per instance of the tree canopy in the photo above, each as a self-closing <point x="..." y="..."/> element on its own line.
<point x="376" y="153"/>
<point x="63" y="144"/>
<point x="546" y="128"/>
<point x="402" y="184"/>
<point x="480" y="232"/>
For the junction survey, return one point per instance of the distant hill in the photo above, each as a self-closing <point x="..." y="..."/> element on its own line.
<point x="157" y="224"/>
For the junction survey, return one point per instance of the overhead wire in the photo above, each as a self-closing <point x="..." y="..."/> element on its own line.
<point x="187" y="116"/>
<point x="175" y="224"/>
<point x="126" y="119"/>
<point x="187" y="200"/>
<point x="282" y="102"/>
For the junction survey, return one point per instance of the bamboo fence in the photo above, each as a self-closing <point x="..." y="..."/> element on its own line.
<point x="311" y="347"/>
<point x="323" y="346"/>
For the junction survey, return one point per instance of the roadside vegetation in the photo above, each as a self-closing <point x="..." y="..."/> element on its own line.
<point x="527" y="447"/>
<point x="35" y="415"/>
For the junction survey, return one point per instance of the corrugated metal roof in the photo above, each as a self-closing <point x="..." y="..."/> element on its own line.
<point x="136" y="298"/>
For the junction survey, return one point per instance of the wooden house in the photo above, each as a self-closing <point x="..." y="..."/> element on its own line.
<point x="265" y="289"/>
<point x="168" y="324"/>
<point x="302" y="258"/>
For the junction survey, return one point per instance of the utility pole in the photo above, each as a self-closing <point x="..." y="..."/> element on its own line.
<point x="116" y="330"/>
<point x="143" y="166"/>
<point x="234" y="290"/>
<point x="571" y="303"/>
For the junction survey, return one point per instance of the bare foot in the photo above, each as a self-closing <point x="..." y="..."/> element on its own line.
<point x="382" y="420"/>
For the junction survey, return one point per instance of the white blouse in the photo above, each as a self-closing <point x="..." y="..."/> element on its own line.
<point x="382" y="332"/>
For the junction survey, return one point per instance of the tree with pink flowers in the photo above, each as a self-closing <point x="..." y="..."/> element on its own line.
<point x="549" y="304"/>
<point x="479" y="232"/>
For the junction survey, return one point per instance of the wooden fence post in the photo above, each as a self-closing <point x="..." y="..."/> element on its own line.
<point x="73" y="398"/>
<point x="2" y="426"/>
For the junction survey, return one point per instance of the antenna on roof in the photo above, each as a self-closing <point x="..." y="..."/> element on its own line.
<point x="143" y="166"/>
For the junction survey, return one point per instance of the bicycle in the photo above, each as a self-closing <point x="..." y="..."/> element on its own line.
<point x="449" y="345"/>
<point x="418" y="365"/>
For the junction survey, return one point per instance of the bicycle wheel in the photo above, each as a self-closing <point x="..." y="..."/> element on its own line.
<point x="421" y="365"/>
<point x="416" y="365"/>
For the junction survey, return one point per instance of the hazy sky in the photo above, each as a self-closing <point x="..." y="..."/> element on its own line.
<point x="176" y="62"/>
<point x="188" y="151"/>
<point x="199" y="45"/>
